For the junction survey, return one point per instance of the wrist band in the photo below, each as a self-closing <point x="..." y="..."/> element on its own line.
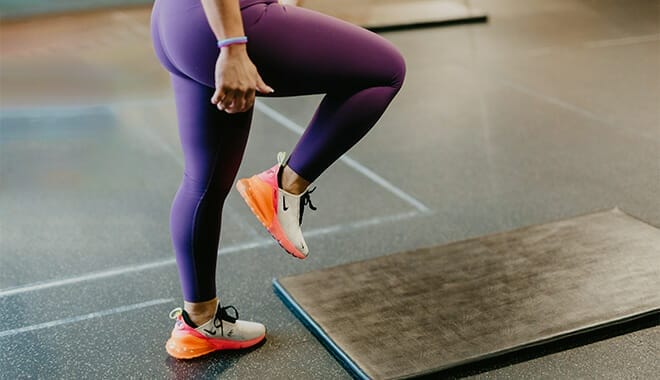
<point x="232" y="41"/>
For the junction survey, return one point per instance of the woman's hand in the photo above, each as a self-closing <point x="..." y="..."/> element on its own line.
<point x="236" y="80"/>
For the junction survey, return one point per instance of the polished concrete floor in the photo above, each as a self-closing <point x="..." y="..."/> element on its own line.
<point x="550" y="110"/>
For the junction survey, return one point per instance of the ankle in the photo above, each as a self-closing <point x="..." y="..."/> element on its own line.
<point x="201" y="312"/>
<point x="292" y="183"/>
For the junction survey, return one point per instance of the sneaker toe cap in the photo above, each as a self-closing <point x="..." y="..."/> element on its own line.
<point x="251" y="330"/>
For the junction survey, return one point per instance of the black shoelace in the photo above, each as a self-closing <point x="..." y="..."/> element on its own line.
<point x="306" y="200"/>
<point x="222" y="315"/>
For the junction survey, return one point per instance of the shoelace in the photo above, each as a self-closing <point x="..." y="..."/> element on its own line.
<point x="221" y="315"/>
<point x="306" y="200"/>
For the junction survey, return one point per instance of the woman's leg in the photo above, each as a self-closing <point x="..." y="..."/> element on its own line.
<point x="298" y="51"/>
<point x="213" y="142"/>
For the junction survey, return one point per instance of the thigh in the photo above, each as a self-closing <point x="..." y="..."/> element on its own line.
<point x="299" y="51"/>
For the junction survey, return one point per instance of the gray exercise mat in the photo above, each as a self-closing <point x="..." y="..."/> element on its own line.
<point x="384" y="15"/>
<point x="420" y="312"/>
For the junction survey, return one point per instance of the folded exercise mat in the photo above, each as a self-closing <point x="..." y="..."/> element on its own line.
<point x="420" y="312"/>
<point x="382" y="15"/>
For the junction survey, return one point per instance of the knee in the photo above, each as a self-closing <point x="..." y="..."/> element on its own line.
<point x="397" y="69"/>
<point x="213" y="190"/>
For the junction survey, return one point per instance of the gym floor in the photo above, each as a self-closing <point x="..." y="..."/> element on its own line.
<point x="548" y="111"/>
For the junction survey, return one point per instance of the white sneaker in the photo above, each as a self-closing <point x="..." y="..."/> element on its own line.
<point x="280" y="212"/>
<point x="223" y="332"/>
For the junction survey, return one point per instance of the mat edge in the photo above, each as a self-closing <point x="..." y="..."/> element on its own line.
<point x="353" y="369"/>
<point x="537" y="343"/>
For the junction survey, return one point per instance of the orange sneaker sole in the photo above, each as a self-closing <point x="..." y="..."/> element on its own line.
<point x="182" y="345"/>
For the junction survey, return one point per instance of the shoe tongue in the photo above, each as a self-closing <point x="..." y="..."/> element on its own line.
<point x="226" y="317"/>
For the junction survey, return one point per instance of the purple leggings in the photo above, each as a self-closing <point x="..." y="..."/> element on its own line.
<point x="297" y="52"/>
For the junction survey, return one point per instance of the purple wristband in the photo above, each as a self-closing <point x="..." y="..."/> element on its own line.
<point x="232" y="41"/>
